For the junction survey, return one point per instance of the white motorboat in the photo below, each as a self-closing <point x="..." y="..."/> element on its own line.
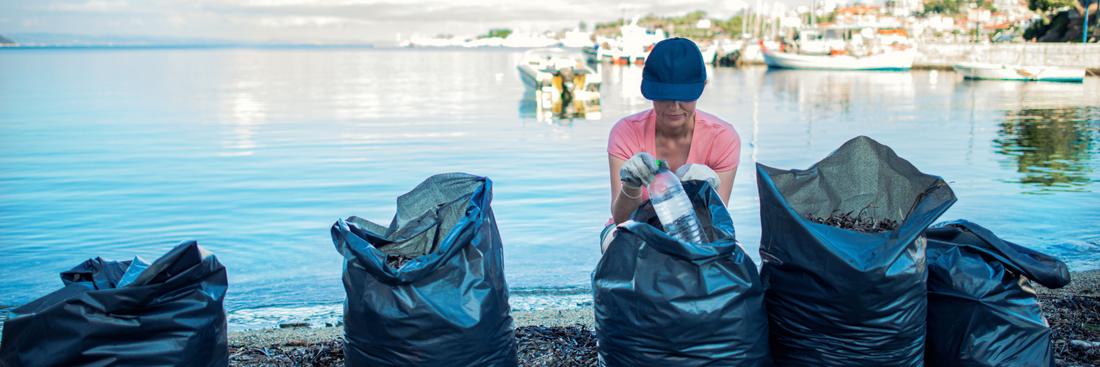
<point x="561" y="79"/>
<point x="890" y="60"/>
<point x="631" y="47"/>
<point x="978" y="70"/>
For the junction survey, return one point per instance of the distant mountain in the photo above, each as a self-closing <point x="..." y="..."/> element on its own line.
<point x="5" y="41"/>
<point x="84" y="40"/>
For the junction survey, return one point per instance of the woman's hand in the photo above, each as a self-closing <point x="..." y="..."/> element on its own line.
<point x="638" y="171"/>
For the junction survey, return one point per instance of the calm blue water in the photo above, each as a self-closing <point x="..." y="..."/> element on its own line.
<point x="256" y="152"/>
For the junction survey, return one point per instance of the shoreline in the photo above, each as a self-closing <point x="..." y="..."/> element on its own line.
<point x="1072" y="312"/>
<point x="1085" y="284"/>
<point x="299" y="335"/>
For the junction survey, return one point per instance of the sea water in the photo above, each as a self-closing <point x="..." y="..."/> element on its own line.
<point x="255" y="153"/>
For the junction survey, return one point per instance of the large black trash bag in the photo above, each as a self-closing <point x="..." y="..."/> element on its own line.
<point x="662" y="302"/>
<point x="448" y="305"/>
<point x="128" y="313"/>
<point x="982" y="310"/>
<point x="836" y="297"/>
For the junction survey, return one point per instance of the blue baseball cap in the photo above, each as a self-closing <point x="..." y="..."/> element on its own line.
<point x="674" y="71"/>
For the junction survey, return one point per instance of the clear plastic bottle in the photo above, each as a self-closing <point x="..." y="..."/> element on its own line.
<point x="673" y="206"/>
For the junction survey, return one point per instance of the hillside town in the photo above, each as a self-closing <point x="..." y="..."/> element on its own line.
<point x="920" y="22"/>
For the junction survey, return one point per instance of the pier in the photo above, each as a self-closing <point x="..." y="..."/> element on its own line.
<point x="943" y="56"/>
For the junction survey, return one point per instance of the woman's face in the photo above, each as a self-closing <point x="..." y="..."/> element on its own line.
<point x="674" y="113"/>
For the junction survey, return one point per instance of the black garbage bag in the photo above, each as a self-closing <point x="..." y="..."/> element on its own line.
<point x="837" y="297"/>
<point x="126" y="313"/>
<point x="982" y="310"/>
<point x="448" y="304"/>
<point x="662" y="302"/>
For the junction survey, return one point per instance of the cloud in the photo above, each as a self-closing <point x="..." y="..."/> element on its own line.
<point x="334" y="3"/>
<point x="92" y="6"/>
<point x="31" y="22"/>
<point x="137" y="22"/>
<point x="735" y="4"/>
<point x="176" y="21"/>
<point x="306" y="21"/>
<point x="469" y="11"/>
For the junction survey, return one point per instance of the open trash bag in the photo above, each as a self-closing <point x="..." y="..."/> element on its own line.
<point x="982" y="310"/>
<point x="126" y="313"/>
<point x="662" y="302"/>
<point x="448" y="304"/>
<point x="837" y="297"/>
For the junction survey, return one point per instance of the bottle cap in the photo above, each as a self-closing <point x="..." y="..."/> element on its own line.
<point x="662" y="165"/>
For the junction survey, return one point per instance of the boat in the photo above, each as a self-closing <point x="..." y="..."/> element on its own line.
<point x="857" y="38"/>
<point x="561" y="80"/>
<point x="819" y="41"/>
<point x="710" y="53"/>
<point x="577" y="39"/>
<point x="631" y="47"/>
<point x="978" y="70"/>
<point x="900" y="59"/>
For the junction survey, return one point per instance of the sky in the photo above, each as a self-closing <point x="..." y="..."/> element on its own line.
<point x="335" y="21"/>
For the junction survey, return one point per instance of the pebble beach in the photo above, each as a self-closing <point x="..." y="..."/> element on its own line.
<point x="1072" y="311"/>
<point x="271" y="336"/>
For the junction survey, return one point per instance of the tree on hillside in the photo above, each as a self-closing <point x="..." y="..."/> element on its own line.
<point x="944" y="7"/>
<point x="731" y="27"/>
<point x="502" y="33"/>
<point x="1045" y="7"/>
<point x="692" y="18"/>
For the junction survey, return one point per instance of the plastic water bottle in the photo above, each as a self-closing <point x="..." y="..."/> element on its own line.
<point x="673" y="206"/>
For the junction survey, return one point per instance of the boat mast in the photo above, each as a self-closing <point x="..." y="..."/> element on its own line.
<point x="1085" y="32"/>
<point x="744" y="20"/>
<point x="812" y="11"/>
<point x="757" y="31"/>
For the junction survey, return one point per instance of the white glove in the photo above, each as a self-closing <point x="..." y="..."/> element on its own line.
<point x="638" y="171"/>
<point x="693" y="171"/>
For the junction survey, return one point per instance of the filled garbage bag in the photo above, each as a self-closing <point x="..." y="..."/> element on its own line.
<point x="126" y="313"/>
<point x="837" y="297"/>
<point x="448" y="304"/>
<point x="662" y="302"/>
<point x="982" y="310"/>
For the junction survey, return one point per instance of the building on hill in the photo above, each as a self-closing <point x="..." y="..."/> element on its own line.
<point x="904" y="8"/>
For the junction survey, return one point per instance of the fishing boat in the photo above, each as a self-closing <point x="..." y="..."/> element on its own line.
<point x="899" y="59"/>
<point x="560" y="79"/>
<point x="978" y="70"/>
<point x="631" y="47"/>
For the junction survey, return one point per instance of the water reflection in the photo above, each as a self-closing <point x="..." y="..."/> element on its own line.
<point x="629" y="80"/>
<point x="246" y="117"/>
<point x="1051" y="148"/>
<point x="842" y="91"/>
<point x="542" y="107"/>
<point x="1012" y="94"/>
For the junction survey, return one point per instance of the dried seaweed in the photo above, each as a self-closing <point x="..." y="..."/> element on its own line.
<point x="547" y="346"/>
<point x="324" y="354"/>
<point x="398" y="261"/>
<point x="1073" y="313"/>
<point x="1074" y="329"/>
<point x="857" y="223"/>
<point x="536" y="346"/>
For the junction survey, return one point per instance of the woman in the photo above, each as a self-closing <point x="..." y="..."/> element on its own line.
<point x="696" y="145"/>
